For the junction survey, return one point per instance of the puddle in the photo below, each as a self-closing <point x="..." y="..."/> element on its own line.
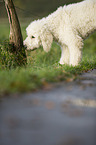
<point x="51" y="117"/>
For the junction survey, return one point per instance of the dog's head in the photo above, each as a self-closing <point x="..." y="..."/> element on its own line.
<point x="38" y="34"/>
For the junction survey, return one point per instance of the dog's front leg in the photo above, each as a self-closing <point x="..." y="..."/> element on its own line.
<point x="64" y="55"/>
<point x="75" y="44"/>
<point x="75" y="55"/>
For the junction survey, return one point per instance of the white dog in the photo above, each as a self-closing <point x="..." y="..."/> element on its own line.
<point x="69" y="26"/>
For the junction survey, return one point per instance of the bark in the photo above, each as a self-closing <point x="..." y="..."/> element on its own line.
<point x="15" y="37"/>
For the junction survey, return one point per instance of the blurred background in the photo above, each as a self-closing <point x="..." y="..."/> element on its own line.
<point x="35" y="8"/>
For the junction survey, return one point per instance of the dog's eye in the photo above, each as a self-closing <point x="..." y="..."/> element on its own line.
<point x="32" y="37"/>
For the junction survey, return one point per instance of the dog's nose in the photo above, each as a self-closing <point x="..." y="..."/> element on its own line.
<point x="25" y="46"/>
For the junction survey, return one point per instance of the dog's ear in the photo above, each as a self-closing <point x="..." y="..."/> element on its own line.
<point x="46" y="40"/>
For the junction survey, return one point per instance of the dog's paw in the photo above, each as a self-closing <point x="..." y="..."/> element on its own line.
<point x="62" y="62"/>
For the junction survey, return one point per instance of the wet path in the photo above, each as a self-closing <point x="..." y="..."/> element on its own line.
<point x="64" y="115"/>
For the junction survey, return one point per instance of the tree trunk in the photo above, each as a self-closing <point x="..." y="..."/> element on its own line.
<point x="15" y="38"/>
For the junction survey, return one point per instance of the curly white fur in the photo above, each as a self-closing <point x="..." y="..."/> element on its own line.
<point x="69" y="26"/>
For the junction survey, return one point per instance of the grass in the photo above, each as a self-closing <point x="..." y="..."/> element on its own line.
<point x="43" y="68"/>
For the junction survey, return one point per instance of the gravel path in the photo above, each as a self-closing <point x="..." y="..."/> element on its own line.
<point x="63" y="115"/>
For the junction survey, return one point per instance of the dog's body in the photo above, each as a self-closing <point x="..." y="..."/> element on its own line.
<point x="68" y="26"/>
